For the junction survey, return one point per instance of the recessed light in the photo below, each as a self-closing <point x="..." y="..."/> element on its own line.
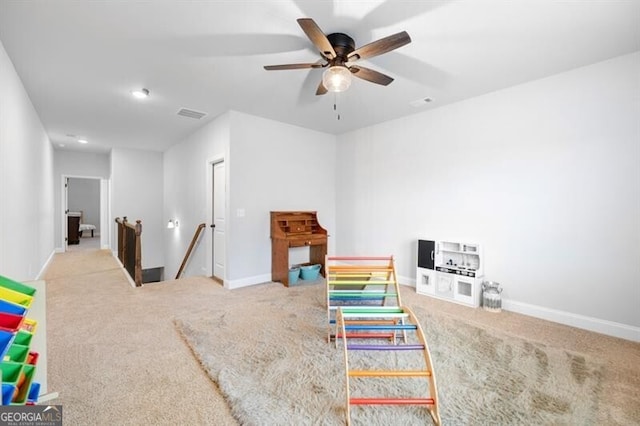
<point x="140" y="94"/>
<point x="83" y="141"/>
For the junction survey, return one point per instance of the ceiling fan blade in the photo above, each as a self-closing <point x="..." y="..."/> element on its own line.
<point x="321" y="89"/>
<point x="371" y="75"/>
<point x="292" y="66"/>
<point x="381" y="46"/>
<point x="317" y="37"/>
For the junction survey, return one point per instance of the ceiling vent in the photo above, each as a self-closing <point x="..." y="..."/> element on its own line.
<point x="185" y="112"/>
<point x="421" y="102"/>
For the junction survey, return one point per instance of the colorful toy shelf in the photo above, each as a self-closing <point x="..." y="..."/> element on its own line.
<point x="359" y="281"/>
<point x="394" y="331"/>
<point x="17" y="361"/>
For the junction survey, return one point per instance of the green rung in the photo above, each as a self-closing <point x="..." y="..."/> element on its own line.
<point x="373" y="309"/>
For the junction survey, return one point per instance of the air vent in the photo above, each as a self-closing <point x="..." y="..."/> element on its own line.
<point x="191" y="113"/>
<point x="420" y="102"/>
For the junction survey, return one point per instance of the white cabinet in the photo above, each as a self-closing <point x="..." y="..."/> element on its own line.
<point x="426" y="281"/>
<point x="454" y="273"/>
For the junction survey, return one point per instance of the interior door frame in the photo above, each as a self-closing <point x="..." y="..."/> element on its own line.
<point x="105" y="199"/>
<point x="210" y="162"/>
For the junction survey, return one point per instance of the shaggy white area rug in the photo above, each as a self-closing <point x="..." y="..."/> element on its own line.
<point x="269" y="356"/>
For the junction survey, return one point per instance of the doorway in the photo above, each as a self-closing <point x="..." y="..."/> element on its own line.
<point x="84" y="211"/>
<point x="217" y="182"/>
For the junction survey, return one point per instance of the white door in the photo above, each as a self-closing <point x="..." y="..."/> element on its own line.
<point x="219" y="208"/>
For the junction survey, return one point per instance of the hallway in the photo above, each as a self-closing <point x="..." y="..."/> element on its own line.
<point x="114" y="355"/>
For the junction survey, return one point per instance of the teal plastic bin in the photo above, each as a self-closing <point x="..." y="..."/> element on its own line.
<point x="311" y="272"/>
<point x="294" y="274"/>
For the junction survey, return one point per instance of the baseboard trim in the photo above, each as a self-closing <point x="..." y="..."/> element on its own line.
<point x="408" y="281"/>
<point x="597" y="325"/>
<point x="610" y="328"/>
<point x="246" y="282"/>
<point x="124" y="271"/>
<point x="46" y="265"/>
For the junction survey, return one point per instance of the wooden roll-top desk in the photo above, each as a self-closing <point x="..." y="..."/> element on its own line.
<point x="295" y="229"/>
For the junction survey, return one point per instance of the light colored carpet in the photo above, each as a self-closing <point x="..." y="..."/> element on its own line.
<point x="270" y="358"/>
<point x="116" y="358"/>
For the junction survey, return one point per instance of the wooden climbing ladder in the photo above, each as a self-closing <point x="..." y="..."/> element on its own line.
<point x="359" y="281"/>
<point x="391" y="329"/>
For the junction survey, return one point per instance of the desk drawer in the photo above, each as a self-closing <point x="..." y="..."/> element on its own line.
<point x="307" y="242"/>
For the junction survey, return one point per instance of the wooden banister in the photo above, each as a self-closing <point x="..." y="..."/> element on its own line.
<point x="196" y="235"/>
<point x="130" y="248"/>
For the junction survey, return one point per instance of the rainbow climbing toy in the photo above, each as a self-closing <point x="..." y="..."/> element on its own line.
<point x="359" y="282"/>
<point x="401" y="353"/>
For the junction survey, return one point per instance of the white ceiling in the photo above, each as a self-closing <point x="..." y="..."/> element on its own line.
<point x="79" y="60"/>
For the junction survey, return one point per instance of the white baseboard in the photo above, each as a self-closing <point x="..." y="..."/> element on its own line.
<point x="124" y="271"/>
<point x="408" y="281"/>
<point x="46" y="264"/>
<point x="609" y="328"/>
<point x="246" y="282"/>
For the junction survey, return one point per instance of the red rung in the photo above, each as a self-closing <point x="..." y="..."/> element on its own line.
<point x="368" y="335"/>
<point x="391" y="401"/>
<point x="360" y="258"/>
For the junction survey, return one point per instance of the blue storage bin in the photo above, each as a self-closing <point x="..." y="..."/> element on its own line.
<point x="294" y="274"/>
<point x="34" y="392"/>
<point x="12" y="308"/>
<point x="310" y="272"/>
<point x="7" y="393"/>
<point x="6" y="338"/>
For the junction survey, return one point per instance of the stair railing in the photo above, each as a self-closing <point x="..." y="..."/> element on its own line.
<point x="130" y="248"/>
<point x="194" y="240"/>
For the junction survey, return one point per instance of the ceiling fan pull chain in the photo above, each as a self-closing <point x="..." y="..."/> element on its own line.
<point x="335" y="105"/>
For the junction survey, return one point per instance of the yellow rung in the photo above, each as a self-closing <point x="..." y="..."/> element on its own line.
<point x="362" y="268"/>
<point x="389" y="373"/>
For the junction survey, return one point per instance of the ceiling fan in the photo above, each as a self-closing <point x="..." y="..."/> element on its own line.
<point x="338" y="52"/>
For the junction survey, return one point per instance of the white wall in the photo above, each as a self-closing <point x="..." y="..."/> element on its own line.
<point x="185" y="194"/>
<point x="76" y="164"/>
<point x="275" y="167"/>
<point x="545" y="175"/>
<point x="270" y="166"/>
<point x="26" y="181"/>
<point x="136" y="192"/>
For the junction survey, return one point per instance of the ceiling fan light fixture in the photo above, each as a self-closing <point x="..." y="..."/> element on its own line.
<point x="337" y="78"/>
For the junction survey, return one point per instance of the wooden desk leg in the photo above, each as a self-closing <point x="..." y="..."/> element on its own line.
<point x="280" y="261"/>
<point x="317" y="255"/>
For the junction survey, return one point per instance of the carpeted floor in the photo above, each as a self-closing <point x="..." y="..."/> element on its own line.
<point x="289" y="374"/>
<point x="115" y="356"/>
